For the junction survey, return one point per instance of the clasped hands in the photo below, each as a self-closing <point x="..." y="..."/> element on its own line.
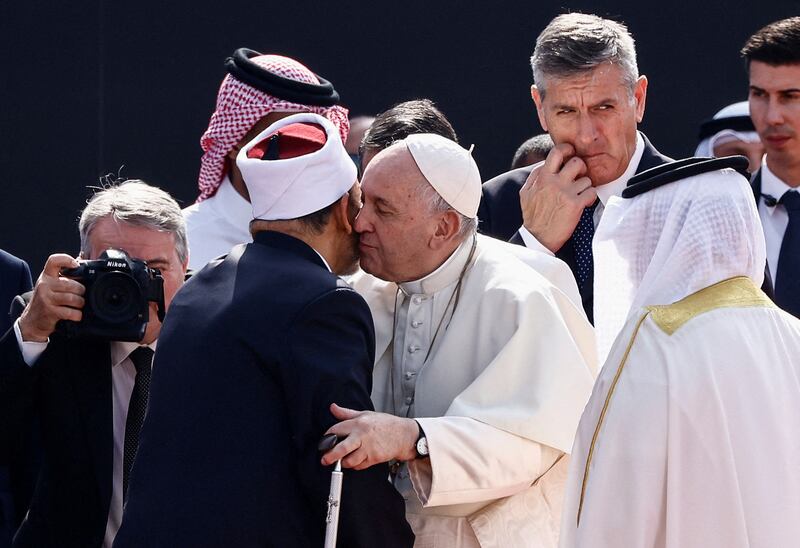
<point x="370" y="438"/>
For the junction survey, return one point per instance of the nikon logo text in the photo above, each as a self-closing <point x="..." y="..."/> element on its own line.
<point x="116" y="264"/>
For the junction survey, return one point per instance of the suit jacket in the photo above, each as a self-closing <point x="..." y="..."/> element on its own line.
<point x="15" y="455"/>
<point x="768" y="286"/>
<point x="69" y="389"/>
<point x="500" y="213"/>
<point x="253" y="351"/>
<point x="15" y="279"/>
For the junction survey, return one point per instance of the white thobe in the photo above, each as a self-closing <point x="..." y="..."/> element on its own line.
<point x="498" y="396"/>
<point x="216" y="224"/>
<point x="698" y="408"/>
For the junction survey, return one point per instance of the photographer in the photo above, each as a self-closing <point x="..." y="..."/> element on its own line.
<point x="90" y="394"/>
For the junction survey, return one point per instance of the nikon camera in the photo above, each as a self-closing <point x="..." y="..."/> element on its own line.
<point x="118" y="295"/>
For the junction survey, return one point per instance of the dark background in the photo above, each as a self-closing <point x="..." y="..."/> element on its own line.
<point x="97" y="87"/>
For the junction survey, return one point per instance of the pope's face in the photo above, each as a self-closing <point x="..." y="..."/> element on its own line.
<point x="394" y="224"/>
<point x="153" y="246"/>
<point x="597" y="113"/>
<point x="775" y="110"/>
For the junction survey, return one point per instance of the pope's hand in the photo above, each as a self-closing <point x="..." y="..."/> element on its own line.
<point x="370" y="438"/>
<point x="554" y="196"/>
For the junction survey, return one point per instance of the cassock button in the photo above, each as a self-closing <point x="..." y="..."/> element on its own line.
<point x="409" y="376"/>
<point x="412" y="348"/>
<point x="416" y="300"/>
<point x="409" y="400"/>
<point x="416" y="323"/>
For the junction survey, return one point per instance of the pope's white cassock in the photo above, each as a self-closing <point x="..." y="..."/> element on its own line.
<point x="498" y="387"/>
<point x="692" y="434"/>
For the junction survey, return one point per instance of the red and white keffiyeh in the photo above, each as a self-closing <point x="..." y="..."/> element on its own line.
<point x="240" y="106"/>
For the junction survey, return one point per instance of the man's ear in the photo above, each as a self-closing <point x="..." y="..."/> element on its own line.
<point x="640" y="95"/>
<point x="341" y="214"/>
<point x="537" y="100"/>
<point x="447" y="228"/>
<point x="233" y="153"/>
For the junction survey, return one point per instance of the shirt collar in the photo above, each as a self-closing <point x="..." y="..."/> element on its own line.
<point x="323" y="259"/>
<point x="772" y="185"/>
<point x="121" y="350"/>
<point x="615" y="187"/>
<point x="443" y="276"/>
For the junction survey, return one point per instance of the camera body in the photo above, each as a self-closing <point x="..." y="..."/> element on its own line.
<point x="119" y="290"/>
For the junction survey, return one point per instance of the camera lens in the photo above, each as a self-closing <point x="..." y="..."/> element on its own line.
<point x="116" y="298"/>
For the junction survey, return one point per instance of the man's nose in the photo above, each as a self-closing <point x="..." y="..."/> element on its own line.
<point x="360" y="224"/>
<point x="774" y="112"/>
<point x="587" y="131"/>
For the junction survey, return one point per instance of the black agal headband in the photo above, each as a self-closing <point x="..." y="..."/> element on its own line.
<point x="242" y="68"/>
<point x="681" y="169"/>
<point x="715" y="125"/>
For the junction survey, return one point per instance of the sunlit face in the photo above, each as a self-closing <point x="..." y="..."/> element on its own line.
<point x="597" y="113"/>
<point x="753" y="151"/>
<point x="775" y="110"/>
<point x="394" y="224"/>
<point x="155" y="247"/>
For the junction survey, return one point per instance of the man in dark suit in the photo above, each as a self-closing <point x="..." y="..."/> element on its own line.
<point x="773" y="60"/>
<point x="256" y="348"/>
<point x="590" y="97"/>
<point x="84" y="391"/>
<point x="15" y="279"/>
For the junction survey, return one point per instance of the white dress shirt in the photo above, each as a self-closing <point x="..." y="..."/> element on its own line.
<point x="123" y="375"/>
<point x="604" y="192"/>
<point x="773" y="218"/>
<point x="216" y="224"/>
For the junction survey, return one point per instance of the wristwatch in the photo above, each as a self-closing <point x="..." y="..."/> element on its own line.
<point x="422" y="443"/>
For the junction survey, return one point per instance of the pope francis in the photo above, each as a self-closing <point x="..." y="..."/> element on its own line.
<point x="482" y="365"/>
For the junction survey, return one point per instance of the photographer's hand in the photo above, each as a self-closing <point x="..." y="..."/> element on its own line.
<point x="54" y="298"/>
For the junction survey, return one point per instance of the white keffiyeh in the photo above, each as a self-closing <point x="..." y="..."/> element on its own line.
<point x="706" y="146"/>
<point x="661" y="246"/>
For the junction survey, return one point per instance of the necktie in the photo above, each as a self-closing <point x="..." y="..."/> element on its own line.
<point x="582" y="238"/>
<point x="142" y="359"/>
<point x="787" y="282"/>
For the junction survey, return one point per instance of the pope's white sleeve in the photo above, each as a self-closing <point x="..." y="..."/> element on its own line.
<point x="472" y="462"/>
<point x="531" y="242"/>
<point x="31" y="350"/>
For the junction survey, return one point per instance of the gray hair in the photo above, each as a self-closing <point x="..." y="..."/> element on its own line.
<point x="136" y="203"/>
<point x="436" y="204"/>
<point x="574" y="43"/>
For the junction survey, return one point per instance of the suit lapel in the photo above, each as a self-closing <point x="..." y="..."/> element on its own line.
<point x="90" y="367"/>
<point x="650" y="156"/>
<point x="756" y="184"/>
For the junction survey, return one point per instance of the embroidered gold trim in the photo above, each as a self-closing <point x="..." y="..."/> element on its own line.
<point x="603" y="414"/>
<point x="739" y="292"/>
<point x="734" y="292"/>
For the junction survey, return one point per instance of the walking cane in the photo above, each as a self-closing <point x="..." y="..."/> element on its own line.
<point x="335" y="494"/>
